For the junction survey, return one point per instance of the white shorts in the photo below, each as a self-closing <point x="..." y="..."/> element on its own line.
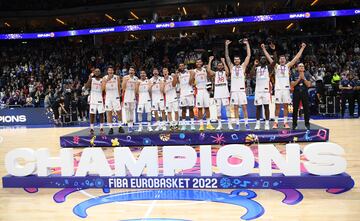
<point x="172" y="106"/>
<point x="187" y="101"/>
<point x="202" y="98"/>
<point x="221" y="101"/>
<point x="129" y="106"/>
<point x="146" y="107"/>
<point x="158" y="105"/>
<point x="282" y="97"/>
<point x="112" y="104"/>
<point x="97" y="108"/>
<point x="261" y="98"/>
<point x="238" y="98"/>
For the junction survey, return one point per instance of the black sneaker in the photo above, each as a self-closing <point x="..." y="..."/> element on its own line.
<point x="307" y="127"/>
<point x="92" y="132"/>
<point x="111" y="131"/>
<point x="121" y="130"/>
<point x="294" y="127"/>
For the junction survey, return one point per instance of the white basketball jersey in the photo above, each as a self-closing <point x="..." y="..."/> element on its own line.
<point x="237" y="79"/>
<point x="170" y="91"/>
<point x="200" y="78"/>
<point x="96" y="91"/>
<point x="221" y="85"/>
<point x="282" y="77"/>
<point x="262" y="79"/>
<point x="185" y="88"/>
<point x="130" y="89"/>
<point x="112" y="87"/>
<point x="144" y="95"/>
<point x="156" y="89"/>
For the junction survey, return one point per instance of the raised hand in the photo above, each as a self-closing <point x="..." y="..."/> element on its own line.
<point x="303" y="45"/>
<point x="211" y="58"/>
<point x="262" y="46"/>
<point x="245" y="41"/>
<point x="227" y="42"/>
<point x="223" y="60"/>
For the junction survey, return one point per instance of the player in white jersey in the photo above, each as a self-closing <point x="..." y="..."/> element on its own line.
<point x="157" y="99"/>
<point x="186" y="80"/>
<point x="282" y="82"/>
<point x="221" y="89"/>
<point x="238" y="89"/>
<point x="128" y="86"/>
<point x="262" y="90"/>
<point x="143" y="87"/>
<point x="202" y="95"/>
<point x="171" y="99"/>
<point x="111" y="86"/>
<point x="96" y="99"/>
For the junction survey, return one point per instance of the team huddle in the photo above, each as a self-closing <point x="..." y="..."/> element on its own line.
<point x="159" y="94"/>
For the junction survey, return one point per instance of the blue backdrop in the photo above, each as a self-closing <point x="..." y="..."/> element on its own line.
<point x="25" y="116"/>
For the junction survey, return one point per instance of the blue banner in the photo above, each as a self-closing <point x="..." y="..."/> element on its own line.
<point x="183" y="24"/>
<point x="25" y="116"/>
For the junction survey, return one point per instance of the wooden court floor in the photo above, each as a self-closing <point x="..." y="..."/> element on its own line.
<point x="17" y="204"/>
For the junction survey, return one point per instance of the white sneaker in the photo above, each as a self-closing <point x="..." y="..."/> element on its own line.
<point x="257" y="126"/>
<point x="192" y="127"/>
<point x="84" y="119"/>
<point x="164" y="128"/>
<point x="267" y="126"/>
<point x="230" y="126"/>
<point x="219" y="127"/>
<point x="183" y="127"/>
<point x="157" y="128"/>
<point x="140" y="128"/>
<point x="79" y="119"/>
<point x="149" y="128"/>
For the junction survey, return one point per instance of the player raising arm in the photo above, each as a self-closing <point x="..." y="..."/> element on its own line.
<point x="282" y="82"/>
<point x="221" y="90"/>
<point x="238" y="88"/>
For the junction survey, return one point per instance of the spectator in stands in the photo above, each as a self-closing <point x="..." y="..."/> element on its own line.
<point x="29" y="101"/>
<point x="357" y="93"/>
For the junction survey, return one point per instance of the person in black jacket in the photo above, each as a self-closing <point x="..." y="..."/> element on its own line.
<point x="300" y="81"/>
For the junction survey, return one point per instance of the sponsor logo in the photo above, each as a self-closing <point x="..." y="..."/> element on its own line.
<point x="12" y="119"/>
<point x="299" y="15"/>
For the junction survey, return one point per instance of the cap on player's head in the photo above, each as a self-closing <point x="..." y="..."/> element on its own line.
<point x="199" y="63"/>
<point x="237" y="60"/>
<point x="282" y="59"/>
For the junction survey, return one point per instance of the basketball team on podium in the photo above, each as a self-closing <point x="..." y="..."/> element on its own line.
<point x="159" y="93"/>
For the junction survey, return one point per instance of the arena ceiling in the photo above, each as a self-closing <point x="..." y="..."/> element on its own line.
<point x="42" y="15"/>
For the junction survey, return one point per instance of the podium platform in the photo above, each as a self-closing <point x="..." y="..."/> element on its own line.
<point x="82" y="137"/>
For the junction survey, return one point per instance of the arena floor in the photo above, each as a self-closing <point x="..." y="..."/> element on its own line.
<point x="50" y="204"/>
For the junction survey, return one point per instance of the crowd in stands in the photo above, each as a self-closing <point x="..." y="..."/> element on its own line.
<point x="51" y="73"/>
